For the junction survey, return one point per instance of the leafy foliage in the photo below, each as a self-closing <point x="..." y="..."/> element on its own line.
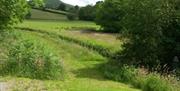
<point x="73" y="13"/>
<point x="71" y="16"/>
<point x="123" y="74"/>
<point x="139" y="78"/>
<point x="87" y="13"/>
<point x="11" y="12"/>
<point x="177" y="4"/>
<point x="62" y="7"/>
<point x="109" y="14"/>
<point x="152" y="30"/>
<point x="36" y="3"/>
<point x="52" y="4"/>
<point x="155" y="83"/>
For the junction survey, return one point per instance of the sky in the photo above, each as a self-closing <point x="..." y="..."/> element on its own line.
<point x="80" y="2"/>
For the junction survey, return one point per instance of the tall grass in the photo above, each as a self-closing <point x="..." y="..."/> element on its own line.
<point x="140" y="78"/>
<point x="32" y="59"/>
<point x="155" y="82"/>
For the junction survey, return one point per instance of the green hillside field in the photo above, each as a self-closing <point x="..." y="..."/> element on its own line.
<point x="42" y="15"/>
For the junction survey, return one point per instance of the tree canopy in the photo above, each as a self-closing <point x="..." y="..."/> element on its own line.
<point x="11" y="12"/>
<point x="62" y="6"/>
<point x="109" y="15"/>
<point x="53" y="4"/>
<point x="87" y="13"/>
<point x="36" y="3"/>
<point x="153" y="29"/>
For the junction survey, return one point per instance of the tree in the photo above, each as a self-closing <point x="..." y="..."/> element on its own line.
<point x="73" y="13"/>
<point x="62" y="7"/>
<point x="11" y="12"/>
<point x="87" y="13"/>
<point x="36" y="3"/>
<point x="177" y="4"/>
<point x="71" y="16"/>
<point x="152" y="28"/>
<point x="52" y="4"/>
<point x="76" y="7"/>
<point x="109" y="15"/>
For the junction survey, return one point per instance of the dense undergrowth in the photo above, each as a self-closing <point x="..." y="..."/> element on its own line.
<point x="141" y="77"/>
<point x="29" y="58"/>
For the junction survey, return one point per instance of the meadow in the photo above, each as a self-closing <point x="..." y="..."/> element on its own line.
<point x="79" y="30"/>
<point x="48" y="52"/>
<point x="81" y="69"/>
<point x="81" y="64"/>
<point x="46" y="15"/>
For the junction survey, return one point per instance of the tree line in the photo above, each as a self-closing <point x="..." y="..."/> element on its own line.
<point x="151" y="27"/>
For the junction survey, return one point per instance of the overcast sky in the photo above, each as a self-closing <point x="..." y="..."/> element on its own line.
<point x="80" y="2"/>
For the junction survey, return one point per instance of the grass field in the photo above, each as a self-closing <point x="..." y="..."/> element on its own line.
<point x="56" y="26"/>
<point x="74" y="42"/>
<point x="48" y="52"/>
<point x="79" y="30"/>
<point x="81" y="67"/>
<point x="81" y="64"/>
<point x="41" y="15"/>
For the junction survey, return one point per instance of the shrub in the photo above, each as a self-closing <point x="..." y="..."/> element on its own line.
<point x="140" y="78"/>
<point x="29" y="59"/>
<point x="138" y="81"/>
<point x="71" y="16"/>
<point x="123" y="74"/>
<point x="155" y="83"/>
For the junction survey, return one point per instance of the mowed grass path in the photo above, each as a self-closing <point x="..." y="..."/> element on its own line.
<point x="77" y="30"/>
<point x="81" y="67"/>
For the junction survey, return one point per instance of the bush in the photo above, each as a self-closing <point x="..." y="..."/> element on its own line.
<point x="29" y="59"/>
<point x="155" y="83"/>
<point x="71" y="16"/>
<point x="140" y="78"/>
<point x="138" y="81"/>
<point x="123" y="74"/>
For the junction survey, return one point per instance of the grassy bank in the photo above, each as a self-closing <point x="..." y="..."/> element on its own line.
<point x="81" y="68"/>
